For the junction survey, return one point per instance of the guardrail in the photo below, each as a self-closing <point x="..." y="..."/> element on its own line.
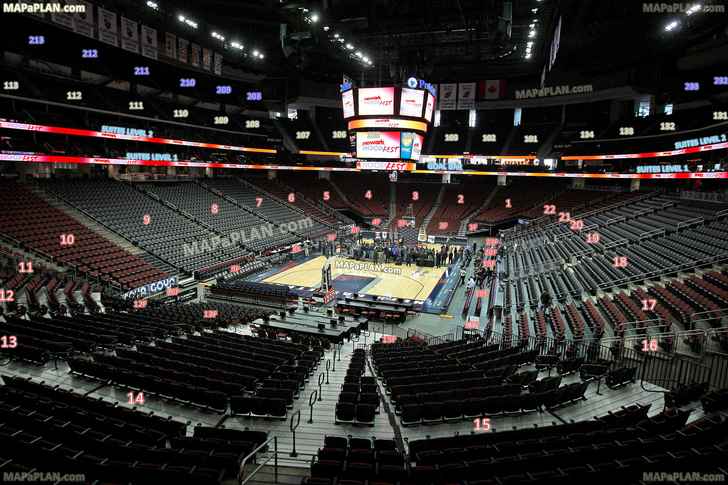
<point x="241" y="476"/>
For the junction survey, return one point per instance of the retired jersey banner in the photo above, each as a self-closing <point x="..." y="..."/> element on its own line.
<point x="182" y="45"/>
<point x="108" y="29"/>
<point x="448" y="99"/>
<point x="206" y="59"/>
<point x="129" y="35"/>
<point x="170" y="45"/>
<point x="150" y="43"/>
<point x="83" y="23"/>
<point x="217" y="63"/>
<point x="466" y="96"/>
<point x="195" y="55"/>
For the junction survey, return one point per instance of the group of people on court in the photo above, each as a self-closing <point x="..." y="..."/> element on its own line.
<point x="400" y="253"/>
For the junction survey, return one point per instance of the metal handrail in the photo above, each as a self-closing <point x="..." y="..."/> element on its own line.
<point x="252" y="454"/>
<point x="293" y="428"/>
<point x="311" y="401"/>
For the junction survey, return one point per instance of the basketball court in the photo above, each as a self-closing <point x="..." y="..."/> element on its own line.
<point x="352" y="276"/>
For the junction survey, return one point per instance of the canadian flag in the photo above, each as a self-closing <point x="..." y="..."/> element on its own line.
<point x="492" y="89"/>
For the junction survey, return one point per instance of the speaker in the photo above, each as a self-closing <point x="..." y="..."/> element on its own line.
<point x="321" y="327"/>
<point x="342" y="318"/>
<point x="283" y="314"/>
<point x="332" y="322"/>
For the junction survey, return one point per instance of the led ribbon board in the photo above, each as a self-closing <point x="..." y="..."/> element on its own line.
<point x="118" y="136"/>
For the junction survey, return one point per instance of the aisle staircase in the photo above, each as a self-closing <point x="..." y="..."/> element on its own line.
<point x="426" y="221"/>
<point x="463" y="229"/>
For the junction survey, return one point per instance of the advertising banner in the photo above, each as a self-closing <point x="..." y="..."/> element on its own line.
<point x="410" y="146"/>
<point x="376" y="101"/>
<point x="411" y="102"/>
<point x="378" y="144"/>
<point x="387" y="123"/>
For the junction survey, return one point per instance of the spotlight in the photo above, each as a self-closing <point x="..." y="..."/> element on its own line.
<point x="350" y="47"/>
<point x="694" y="9"/>
<point x="314" y="18"/>
<point x="672" y="26"/>
<point x="152" y="5"/>
<point x="326" y="28"/>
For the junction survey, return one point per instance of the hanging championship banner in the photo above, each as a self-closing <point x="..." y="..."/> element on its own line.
<point x="182" y="45"/>
<point x="150" y="43"/>
<point x="170" y="45"/>
<point x="466" y="96"/>
<point x="206" y="59"/>
<point x="83" y="23"/>
<point x="218" y="63"/>
<point x="108" y="29"/>
<point x="195" y="55"/>
<point x="63" y="19"/>
<point x="448" y="99"/>
<point x="129" y="35"/>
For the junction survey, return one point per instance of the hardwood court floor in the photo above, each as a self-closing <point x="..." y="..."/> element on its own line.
<point x="412" y="282"/>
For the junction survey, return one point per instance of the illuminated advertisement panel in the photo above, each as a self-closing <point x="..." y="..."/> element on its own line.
<point x="376" y="101"/>
<point x="117" y="136"/>
<point x="430" y="107"/>
<point x="417" y="146"/>
<point x="410" y="146"/>
<point x="387" y="123"/>
<point x="347" y="99"/>
<point x="377" y="144"/>
<point x="411" y="102"/>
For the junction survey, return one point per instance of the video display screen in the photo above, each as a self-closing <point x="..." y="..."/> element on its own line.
<point x="429" y="107"/>
<point x="378" y="144"/>
<point x="411" y="102"/>
<point x="376" y="101"/>
<point x="347" y="99"/>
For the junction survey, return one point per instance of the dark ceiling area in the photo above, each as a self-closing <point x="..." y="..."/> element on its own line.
<point x="381" y="41"/>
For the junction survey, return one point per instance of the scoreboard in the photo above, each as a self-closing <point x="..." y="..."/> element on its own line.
<point x="387" y="122"/>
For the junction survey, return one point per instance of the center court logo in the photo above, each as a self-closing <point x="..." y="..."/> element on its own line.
<point x="373" y="267"/>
